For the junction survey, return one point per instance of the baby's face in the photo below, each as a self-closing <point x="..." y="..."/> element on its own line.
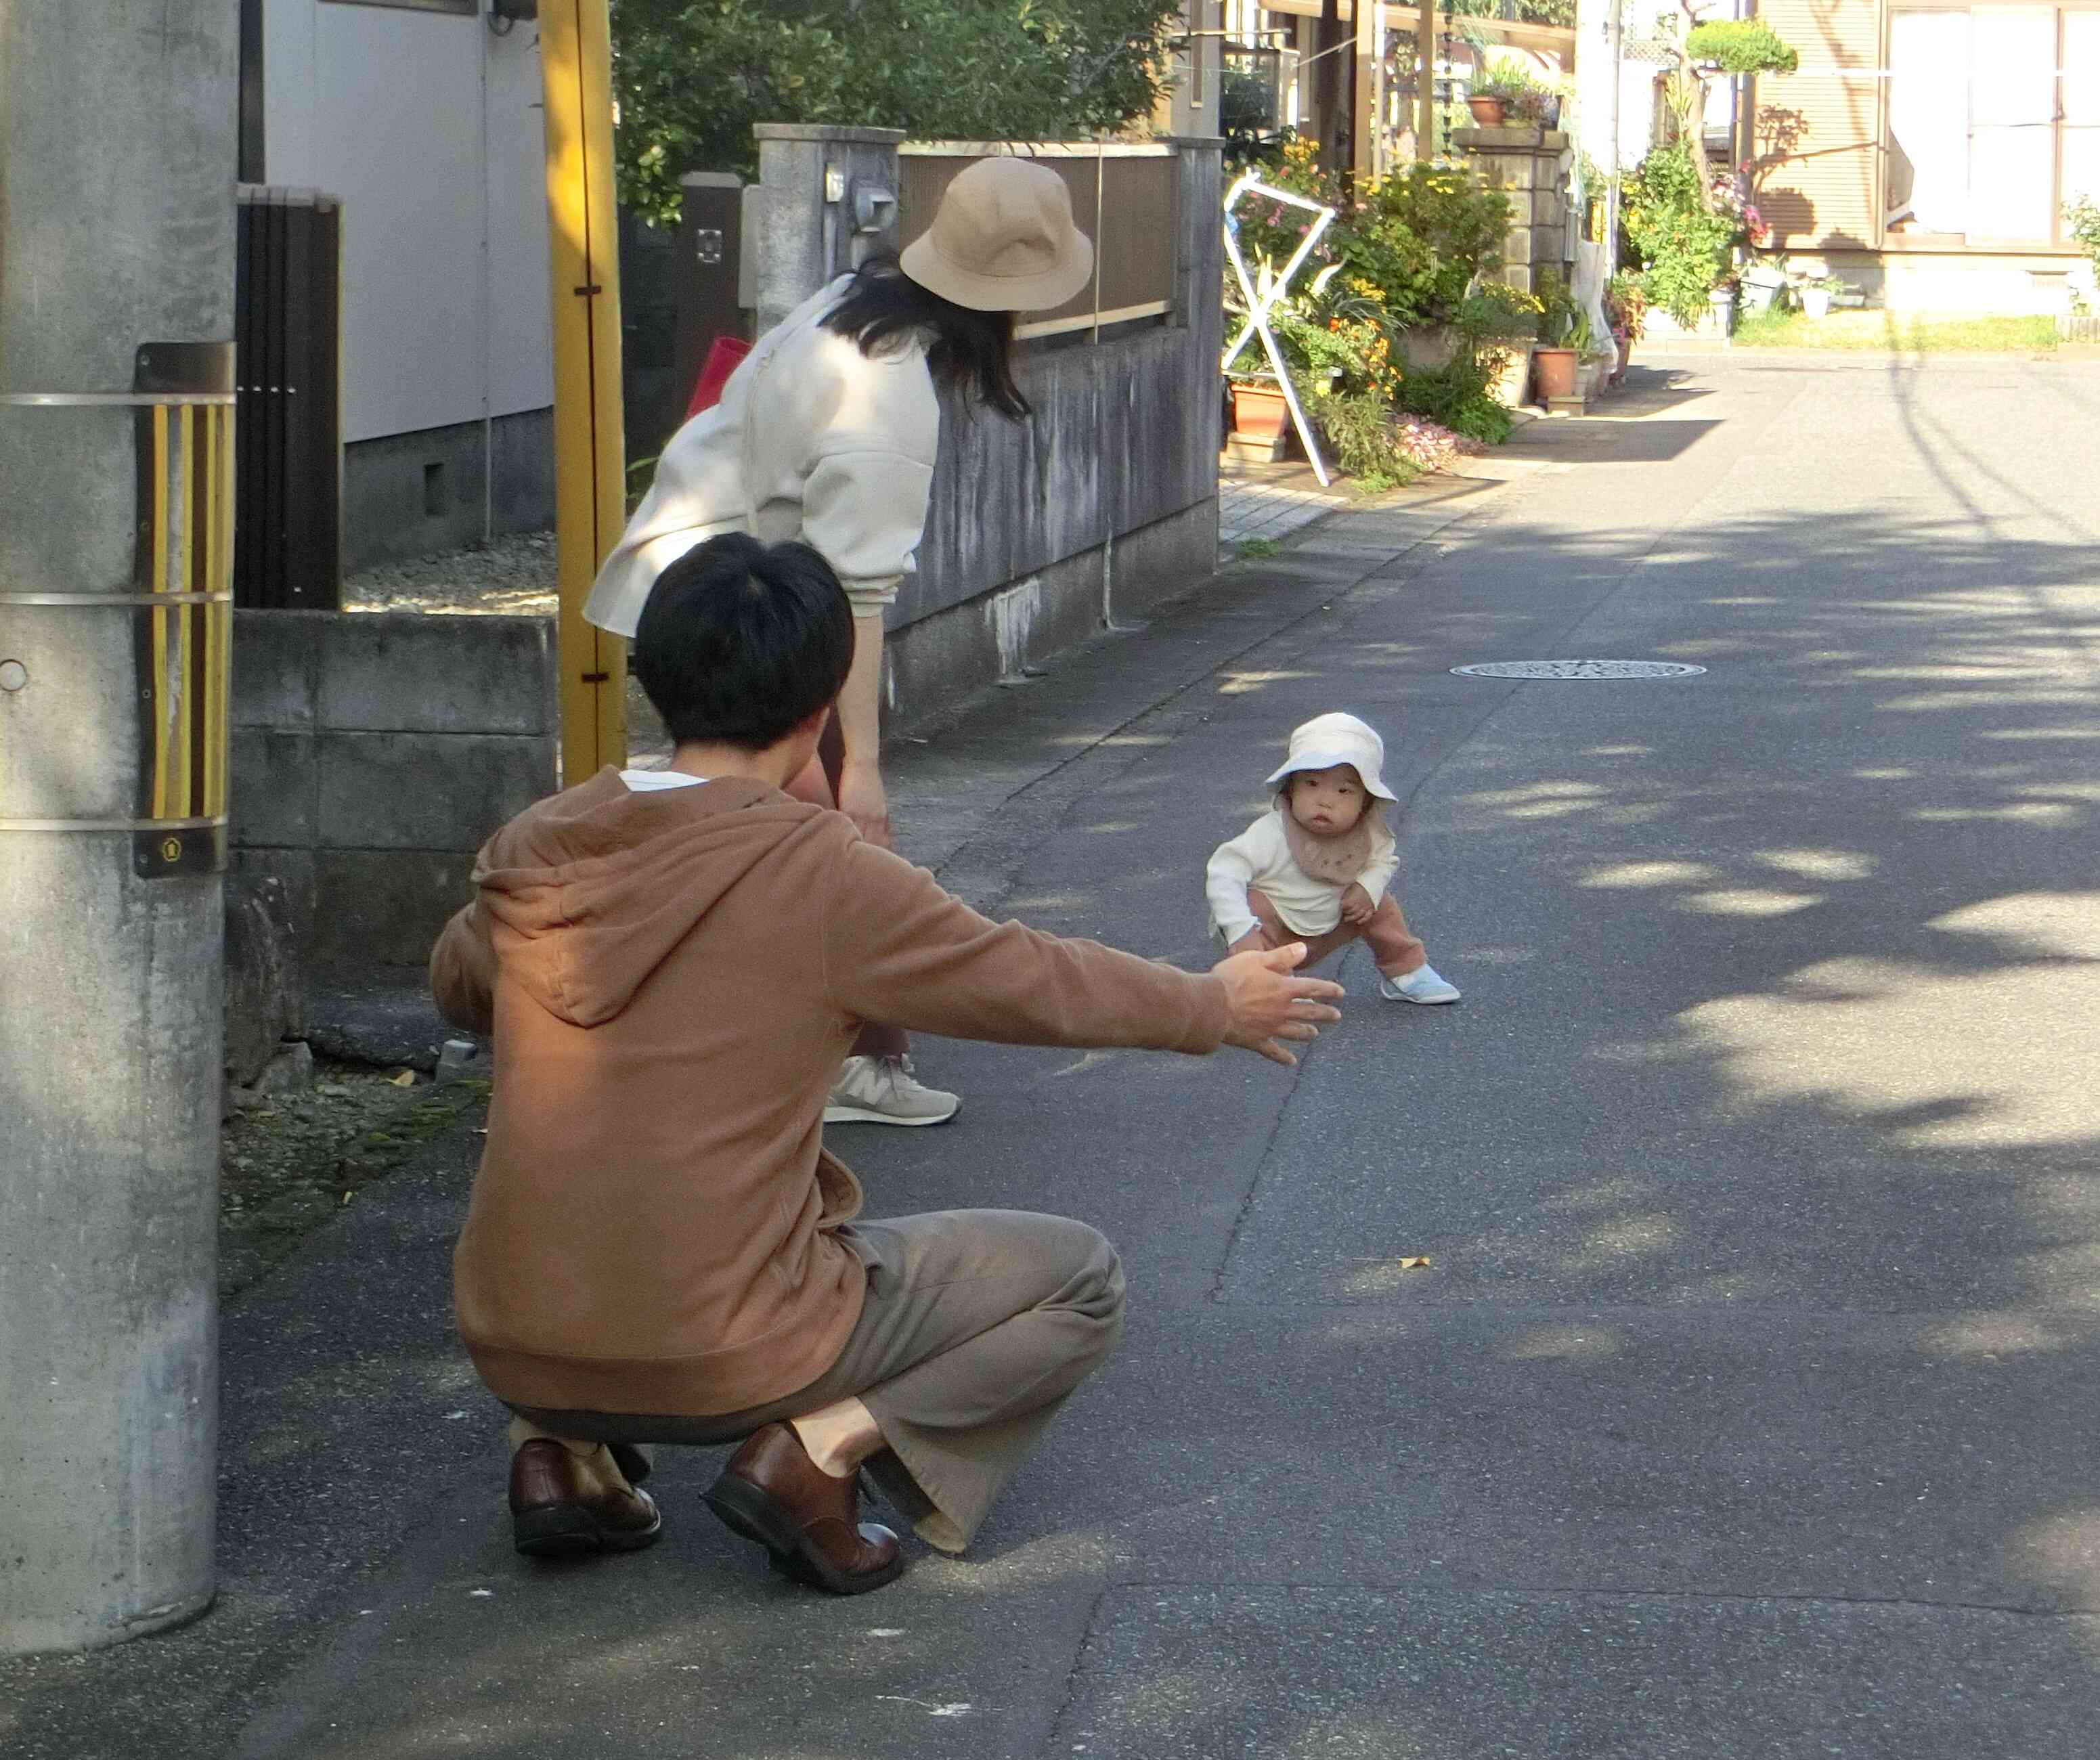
<point x="1328" y="803"/>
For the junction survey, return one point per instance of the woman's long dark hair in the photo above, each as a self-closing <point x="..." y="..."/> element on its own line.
<point x="971" y="352"/>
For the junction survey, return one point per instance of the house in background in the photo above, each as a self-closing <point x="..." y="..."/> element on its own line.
<point x="424" y="117"/>
<point x="1924" y="151"/>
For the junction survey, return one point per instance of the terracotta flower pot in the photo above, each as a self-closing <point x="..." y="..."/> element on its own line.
<point x="1489" y="112"/>
<point x="1558" y="369"/>
<point x="1626" y="354"/>
<point x="1259" y="411"/>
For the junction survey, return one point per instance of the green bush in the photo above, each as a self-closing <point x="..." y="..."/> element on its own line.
<point x="1419" y="237"/>
<point x="691" y="77"/>
<point x="2084" y="215"/>
<point x="1683" y="249"/>
<point x="1358" y="430"/>
<point x="1741" y="46"/>
<point x="1457" y="397"/>
<point x="1496" y="310"/>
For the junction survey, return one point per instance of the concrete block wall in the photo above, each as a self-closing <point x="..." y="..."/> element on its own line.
<point x="371" y="756"/>
<point x="1528" y="164"/>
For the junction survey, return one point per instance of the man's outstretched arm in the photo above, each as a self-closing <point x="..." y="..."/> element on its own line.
<point x="898" y="948"/>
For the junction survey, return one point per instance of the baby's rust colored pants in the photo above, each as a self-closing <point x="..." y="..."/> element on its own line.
<point x="1394" y="946"/>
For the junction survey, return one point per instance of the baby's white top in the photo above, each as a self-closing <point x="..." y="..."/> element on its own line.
<point x="1260" y="856"/>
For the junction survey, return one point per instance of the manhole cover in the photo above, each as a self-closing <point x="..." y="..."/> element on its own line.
<point x="1578" y="669"/>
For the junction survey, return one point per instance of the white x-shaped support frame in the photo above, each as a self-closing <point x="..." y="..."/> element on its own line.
<point x="1259" y="304"/>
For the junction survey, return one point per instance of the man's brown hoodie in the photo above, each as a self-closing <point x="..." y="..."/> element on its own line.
<point x="672" y="978"/>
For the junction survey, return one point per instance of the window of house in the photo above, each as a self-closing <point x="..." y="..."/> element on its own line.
<point x="1993" y="120"/>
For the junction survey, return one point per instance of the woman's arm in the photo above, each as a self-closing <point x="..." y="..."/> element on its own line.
<point x="861" y="796"/>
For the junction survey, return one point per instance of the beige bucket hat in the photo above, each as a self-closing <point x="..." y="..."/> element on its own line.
<point x="1003" y="240"/>
<point x="1326" y="740"/>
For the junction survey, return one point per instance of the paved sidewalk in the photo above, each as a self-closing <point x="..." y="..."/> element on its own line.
<point x="1273" y="500"/>
<point x="1744" y="1407"/>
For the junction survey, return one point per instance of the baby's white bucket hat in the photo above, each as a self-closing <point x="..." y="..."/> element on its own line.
<point x="1326" y="740"/>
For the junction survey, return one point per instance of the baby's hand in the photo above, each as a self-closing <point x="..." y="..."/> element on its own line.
<point x="1356" y="907"/>
<point x="1253" y="941"/>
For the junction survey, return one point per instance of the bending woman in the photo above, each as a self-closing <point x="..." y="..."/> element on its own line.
<point x="826" y="433"/>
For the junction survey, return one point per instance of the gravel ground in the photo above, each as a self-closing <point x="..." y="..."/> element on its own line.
<point x="515" y="576"/>
<point x="289" y="1161"/>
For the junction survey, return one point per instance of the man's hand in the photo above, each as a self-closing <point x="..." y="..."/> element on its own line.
<point x="1357" y="908"/>
<point x="862" y="800"/>
<point x="1268" y="1003"/>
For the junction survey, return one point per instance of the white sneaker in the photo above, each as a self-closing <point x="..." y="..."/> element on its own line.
<point x="1420" y="985"/>
<point x="882" y="1091"/>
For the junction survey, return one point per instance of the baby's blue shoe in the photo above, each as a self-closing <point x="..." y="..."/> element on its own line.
<point x="1421" y="985"/>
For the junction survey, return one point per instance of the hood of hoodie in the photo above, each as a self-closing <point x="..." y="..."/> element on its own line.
<point x="596" y="886"/>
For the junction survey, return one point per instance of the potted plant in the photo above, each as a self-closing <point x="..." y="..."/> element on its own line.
<point x="1557" y="359"/>
<point x="1495" y="92"/>
<point x="1258" y="409"/>
<point x="1501" y="324"/>
<point x="1505" y="91"/>
<point x="1815" y="295"/>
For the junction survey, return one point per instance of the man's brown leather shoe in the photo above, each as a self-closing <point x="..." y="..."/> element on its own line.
<point x="773" y="1493"/>
<point x="560" y="1507"/>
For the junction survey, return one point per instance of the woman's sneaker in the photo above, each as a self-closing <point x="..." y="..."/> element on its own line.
<point x="883" y="1091"/>
<point x="1420" y="985"/>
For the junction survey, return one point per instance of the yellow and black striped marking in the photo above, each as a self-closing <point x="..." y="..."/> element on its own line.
<point x="184" y="556"/>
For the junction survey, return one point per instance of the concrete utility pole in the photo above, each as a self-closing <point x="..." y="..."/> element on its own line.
<point x="116" y="249"/>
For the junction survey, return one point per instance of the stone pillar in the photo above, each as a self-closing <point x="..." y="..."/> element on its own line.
<point x="825" y="201"/>
<point x="1529" y="164"/>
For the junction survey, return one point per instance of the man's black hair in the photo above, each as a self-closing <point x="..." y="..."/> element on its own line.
<point x="740" y="642"/>
<point x="968" y="352"/>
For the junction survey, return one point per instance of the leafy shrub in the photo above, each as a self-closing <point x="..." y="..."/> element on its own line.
<point x="1359" y="431"/>
<point x="1457" y="396"/>
<point x="1420" y="236"/>
<point x="691" y="77"/>
<point x="2084" y="215"/>
<point x="1741" y="46"/>
<point x="1339" y="345"/>
<point x="1496" y="309"/>
<point x="1683" y="249"/>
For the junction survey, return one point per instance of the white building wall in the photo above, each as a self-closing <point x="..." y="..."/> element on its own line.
<point x="428" y="125"/>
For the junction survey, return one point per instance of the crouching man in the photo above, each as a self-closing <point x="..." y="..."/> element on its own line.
<point x="658" y="1249"/>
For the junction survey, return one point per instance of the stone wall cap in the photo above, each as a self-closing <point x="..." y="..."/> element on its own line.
<point x="711" y="180"/>
<point x="1503" y="139"/>
<point x="827" y="131"/>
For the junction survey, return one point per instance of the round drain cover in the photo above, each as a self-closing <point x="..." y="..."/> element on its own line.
<point x="1578" y="669"/>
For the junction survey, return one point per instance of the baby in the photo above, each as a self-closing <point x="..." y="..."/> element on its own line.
<point x="1315" y="866"/>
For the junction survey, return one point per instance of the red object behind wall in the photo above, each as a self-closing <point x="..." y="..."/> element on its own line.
<point x="723" y="356"/>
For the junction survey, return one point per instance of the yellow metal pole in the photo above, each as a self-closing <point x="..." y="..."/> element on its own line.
<point x="590" y="453"/>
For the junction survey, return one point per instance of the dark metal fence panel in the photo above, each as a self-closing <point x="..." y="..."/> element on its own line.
<point x="287" y="327"/>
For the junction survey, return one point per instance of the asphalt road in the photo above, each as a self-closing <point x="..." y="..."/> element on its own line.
<point x="1747" y="1404"/>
